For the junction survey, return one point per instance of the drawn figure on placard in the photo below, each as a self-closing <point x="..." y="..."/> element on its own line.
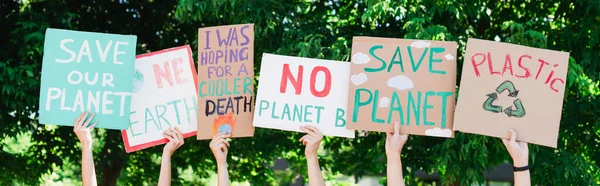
<point x="138" y="81"/>
<point x="518" y="111"/>
<point x="224" y="123"/>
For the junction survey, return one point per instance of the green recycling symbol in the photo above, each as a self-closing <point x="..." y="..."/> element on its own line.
<point x="518" y="111"/>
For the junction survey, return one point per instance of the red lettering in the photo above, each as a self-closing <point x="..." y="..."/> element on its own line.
<point x="507" y="65"/>
<point x="313" y="77"/>
<point x="490" y="64"/>
<point x="159" y="74"/>
<point x="527" y="73"/>
<point x="287" y="75"/>
<point x="178" y="71"/>
<point x="477" y="64"/>
<point x="554" y="81"/>
<point x="542" y="64"/>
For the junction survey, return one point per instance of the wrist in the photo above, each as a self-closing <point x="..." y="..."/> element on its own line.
<point x="86" y="145"/>
<point x="311" y="155"/>
<point x="166" y="154"/>
<point x="520" y="162"/>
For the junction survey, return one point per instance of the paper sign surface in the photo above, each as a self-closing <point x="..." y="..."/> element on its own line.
<point x="226" y="80"/>
<point x="506" y="86"/>
<point x="412" y="82"/>
<point x="86" y="71"/>
<point x="164" y="95"/>
<point x="296" y="91"/>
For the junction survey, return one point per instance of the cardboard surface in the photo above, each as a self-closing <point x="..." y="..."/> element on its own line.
<point x="86" y="71"/>
<point x="164" y="95"/>
<point x="520" y="88"/>
<point x="400" y="80"/>
<point x="226" y="80"/>
<point x="295" y="91"/>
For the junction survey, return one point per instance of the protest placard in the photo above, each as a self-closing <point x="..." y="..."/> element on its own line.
<point x="412" y="82"/>
<point x="164" y="95"/>
<point x="507" y="86"/>
<point x="226" y="80"/>
<point x="86" y="71"/>
<point x="295" y="91"/>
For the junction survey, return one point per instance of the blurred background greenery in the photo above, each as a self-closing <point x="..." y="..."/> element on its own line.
<point x="34" y="154"/>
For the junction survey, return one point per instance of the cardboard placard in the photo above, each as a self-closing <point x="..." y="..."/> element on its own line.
<point x="508" y="86"/>
<point x="164" y="95"/>
<point x="295" y="91"/>
<point x="400" y="80"/>
<point x="226" y="80"/>
<point x="86" y="71"/>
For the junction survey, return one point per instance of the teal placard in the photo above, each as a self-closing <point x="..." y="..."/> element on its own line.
<point x="87" y="71"/>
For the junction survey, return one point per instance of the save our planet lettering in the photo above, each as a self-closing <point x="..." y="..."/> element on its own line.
<point x="306" y="92"/>
<point x="407" y="81"/>
<point x="86" y="71"/>
<point x="101" y="101"/>
<point x="415" y="108"/>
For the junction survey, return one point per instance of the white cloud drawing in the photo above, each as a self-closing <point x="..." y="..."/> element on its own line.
<point x="400" y="82"/>
<point x="439" y="132"/>
<point x="358" y="79"/>
<point x="420" y="44"/>
<point x="449" y="57"/>
<point x="360" y="58"/>
<point x="384" y="102"/>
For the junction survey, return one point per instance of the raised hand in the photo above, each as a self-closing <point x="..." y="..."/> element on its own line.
<point x="311" y="140"/>
<point x="394" y="141"/>
<point x="517" y="150"/>
<point x="82" y="128"/>
<point x="218" y="145"/>
<point x="175" y="137"/>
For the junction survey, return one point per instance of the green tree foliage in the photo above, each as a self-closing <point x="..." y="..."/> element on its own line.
<point x="307" y="28"/>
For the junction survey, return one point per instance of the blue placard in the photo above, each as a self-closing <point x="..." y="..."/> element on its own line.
<point x="86" y="71"/>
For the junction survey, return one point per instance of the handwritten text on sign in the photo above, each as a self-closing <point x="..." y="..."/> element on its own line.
<point x="502" y="87"/>
<point x="226" y="75"/>
<point x="164" y="95"/>
<point x="84" y="71"/>
<point x="297" y="91"/>
<point x="406" y="81"/>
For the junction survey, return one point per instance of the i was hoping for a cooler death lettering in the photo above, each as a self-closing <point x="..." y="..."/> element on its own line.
<point x="407" y="81"/>
<point x="86" y="71"/>
<point x="226" y="80"/>
<point x="506" y="86"/>
<point x="295" y="91"/>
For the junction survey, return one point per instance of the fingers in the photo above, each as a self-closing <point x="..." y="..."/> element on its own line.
<point x="220" y="135"/>
<point x="312" y="131"/>
<point x="524" y="146"/>
<point x="88" y="120"/>
<point x="77" y="124"/>
<point x="396" y="128"/>
<point x="513" y="135"/>
<point x="93" y="125"/>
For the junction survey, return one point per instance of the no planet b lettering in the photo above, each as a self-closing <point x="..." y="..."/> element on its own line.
<point x="85" y="71"/>
<point x="226" y="80"/>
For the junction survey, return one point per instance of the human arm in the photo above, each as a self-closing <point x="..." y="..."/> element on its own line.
<point x="218" y="146"/>
<point x="312" y="140"/>
<point x="82" y="129"/>
<point x="394" y="142"/>
<point x="175" y="137"/>
<point x="519" y="152"/>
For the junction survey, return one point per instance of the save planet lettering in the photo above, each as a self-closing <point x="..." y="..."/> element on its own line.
<point x="410" y="106"/>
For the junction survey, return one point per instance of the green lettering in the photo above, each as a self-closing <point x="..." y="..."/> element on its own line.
<point x="432" y="60"/>
<point x="248" y="88"/>
<point x="319" y="108"/>
<point x="415" y="107"/>
<point x="358" y="103"/>
<point x="307" y="113"/>
<point x="161" y="115"/>
<point x="131" y="125"/>
<point x="444" y="95"/>
<point x="399" y="62"/>
<point x="412" y="60"/>
<point x="427" y="106"/>
<point x="297" y="113"/>
<point x="374" y="111"/>
<point x="273" y="111"/>
<point x="372" y="52"/>
<point x="286" y="111"/>
<point x="235" y="86"/>
<point x="395" y="106"/>
<point x="174" y="103"/>
<point x="263" y="106"/>
<point x="151" y="119"/>
<point x="339" y="117"/>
